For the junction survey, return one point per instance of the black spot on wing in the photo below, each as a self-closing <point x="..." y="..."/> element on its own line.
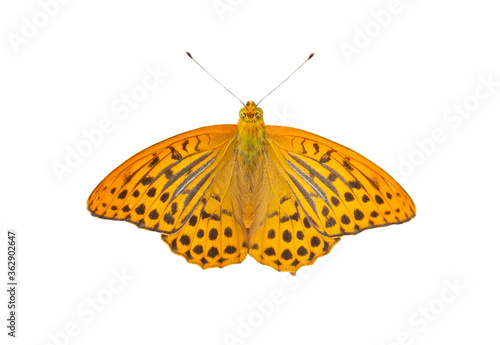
<point x="354" y="185"/>
<point x="283" y="199"/>
<point x="287" y="236"/>
<point x="140" y="209"/>
<point x="153" y="215"/>
<point x="302" y="251"/>
<point x="346" y="165"/>
<point x="122" y="194"/>
<point x="193" y="220"/>
<point x="197" y="144"/>
<point x="271" y="234"/>
<point x="146" y="180"/>
<point x="358" y="215"/>
<point x="230" y="250"/>
<point x="154" y="161"/>
<point x="348" y="197"/>
<point x="168" y="173"/>
<point x="316" y="148"/>
<point x="270" y="251"/>
<point x="204" y="214"/>
<point x="227" y="212"/>
<point x="185" y="240"/>
<point x="212" y="252"/>
<point x="335" y="201"/>
<point x="326" y="157"/>
<point x="175" y="154"/>
<point x="303" y="148"/>
<point x="151" y="192"/>
<point x="286" y="254"/>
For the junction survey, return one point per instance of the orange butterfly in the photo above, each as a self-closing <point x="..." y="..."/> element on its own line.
<point x="283" y="195"/>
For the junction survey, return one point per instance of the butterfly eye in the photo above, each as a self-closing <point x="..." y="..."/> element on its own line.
<point x="258" y="115"/>
<point x="242" y="114"/>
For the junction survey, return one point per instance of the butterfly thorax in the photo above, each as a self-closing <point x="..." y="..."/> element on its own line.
<point x="250" y="136"/>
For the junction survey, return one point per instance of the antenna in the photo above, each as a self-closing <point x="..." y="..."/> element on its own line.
<point x="189" y="54"/>
<point x="310" y="56"/>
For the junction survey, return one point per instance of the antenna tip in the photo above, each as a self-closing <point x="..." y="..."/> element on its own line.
<point x="310" y="56"/>
<point x="189" y="54"/>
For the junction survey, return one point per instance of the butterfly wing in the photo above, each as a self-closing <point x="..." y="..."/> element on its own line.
<point x="285" y="239"/>
<point x="177" y="187"/>
<point x="321" y="191"/>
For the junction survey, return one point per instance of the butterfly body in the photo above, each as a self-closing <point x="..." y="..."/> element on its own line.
<point x="250" y="136"/>
<point x="249" y="178"/>
<point x="282" y="195"/>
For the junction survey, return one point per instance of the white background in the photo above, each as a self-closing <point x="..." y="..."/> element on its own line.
<point x="373" y="288"/>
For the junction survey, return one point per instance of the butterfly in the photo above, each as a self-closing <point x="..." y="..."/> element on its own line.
<point x="280" y="194"/>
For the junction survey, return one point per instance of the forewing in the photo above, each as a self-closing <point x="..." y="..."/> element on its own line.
<point x="340" y="191"/>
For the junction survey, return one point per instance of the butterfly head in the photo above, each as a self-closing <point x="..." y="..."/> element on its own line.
<point x="251" y="113"/>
